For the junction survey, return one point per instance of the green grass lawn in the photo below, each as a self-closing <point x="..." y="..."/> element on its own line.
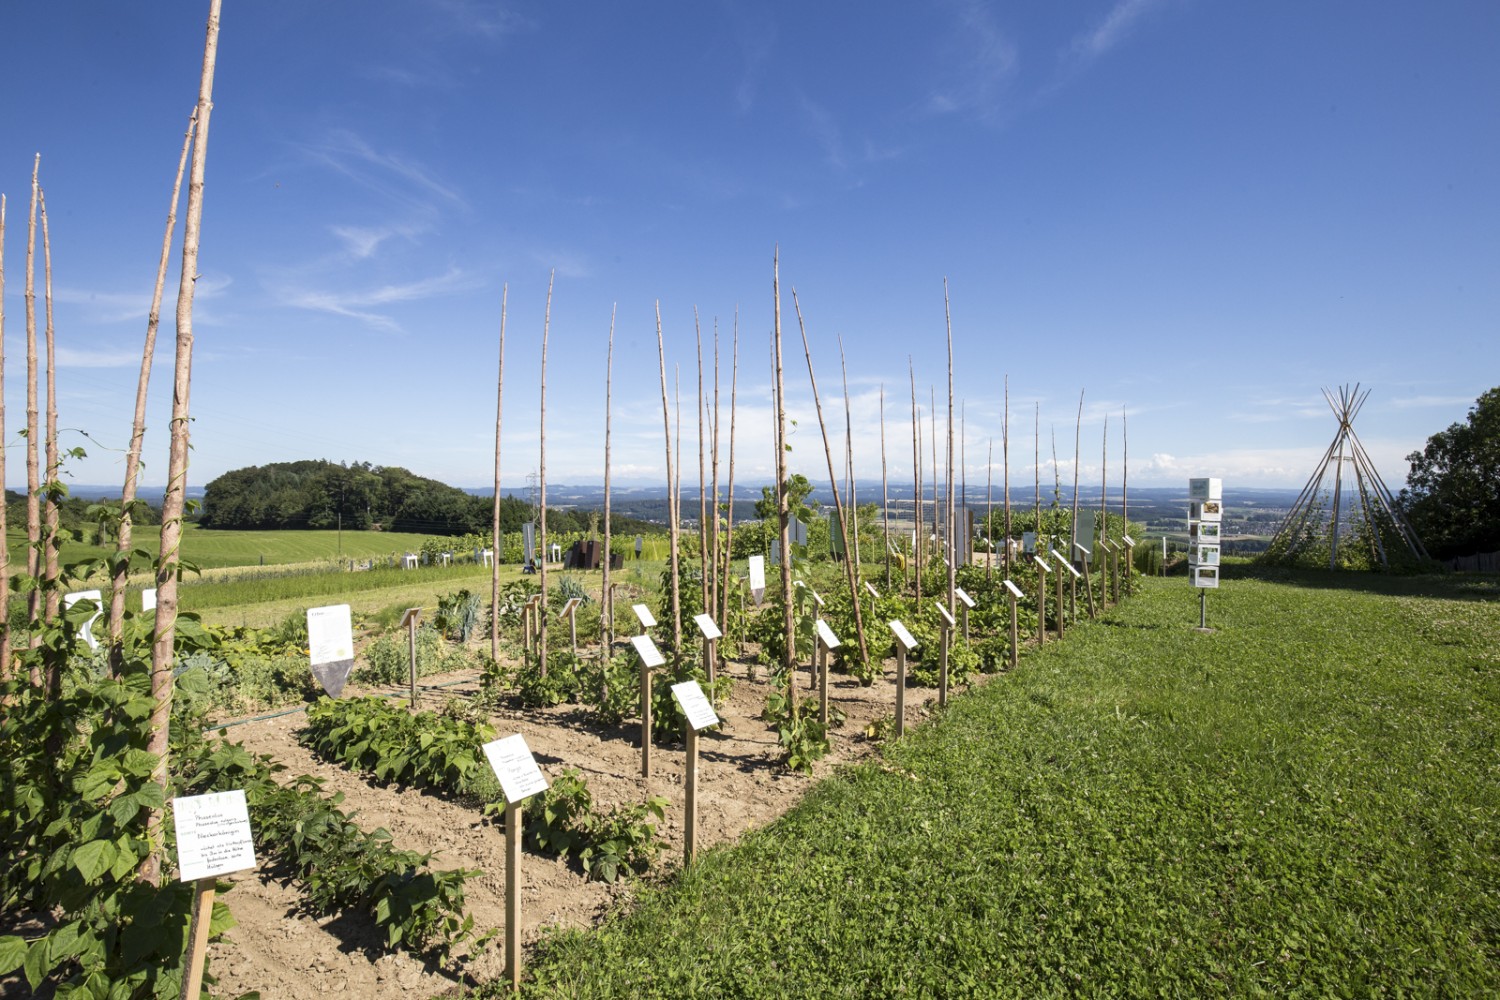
<point x="1303" y="803"/>
<point x="210" y="549"/>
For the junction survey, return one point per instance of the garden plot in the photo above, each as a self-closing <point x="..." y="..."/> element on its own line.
<point x="742" y="785"/>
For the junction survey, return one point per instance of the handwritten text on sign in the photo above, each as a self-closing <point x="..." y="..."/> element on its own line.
<point x="516" y="768"/>
<point x="213" y="834"/>
<point x="695" y="705"/>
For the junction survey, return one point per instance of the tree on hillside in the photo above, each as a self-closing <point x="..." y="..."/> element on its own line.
<point x="1452" y="494"/>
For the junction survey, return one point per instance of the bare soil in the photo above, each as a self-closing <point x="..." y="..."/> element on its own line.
<point x="287" y="955"/>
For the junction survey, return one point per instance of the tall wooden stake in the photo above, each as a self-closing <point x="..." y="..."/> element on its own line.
<point x="541" y="617"/>
<point x="1072" y="552"/>
<point x="916" y="482"/>
<point x="173" y="501"/>
<point x="716" y="588"/>
<point x="123" y="543"/>
<point x="606" y="595"/>
<point x="1104" y="510"/>
<point x="1005" y="448"/>
<point x="54" y="464"/>
<point x="783" y="508"/>
<point x="734" y="386"/>
<point x="952" y="533"/>
<point x="989" y="512"/>
<point x="885" y="493"/>
<point x="1125" y="499"/>
<point x="33" y="435"/>
<point x="495" y="544"/>
<point x="849" y="478"/>
<point x="704" y="573"/>
<point x="666" y="423"/>
<point x="850" y="570"/>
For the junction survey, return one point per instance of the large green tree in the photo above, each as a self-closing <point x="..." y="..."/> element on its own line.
<point x="1452" y="495"/>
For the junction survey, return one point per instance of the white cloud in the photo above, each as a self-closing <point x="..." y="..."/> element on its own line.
<point x="1114" y="29"/>
<point x="984" y="61"/>
<point x="1433" y="402"/>
<point x="359" y="304"/>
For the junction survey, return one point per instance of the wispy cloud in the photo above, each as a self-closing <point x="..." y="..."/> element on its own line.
<point x="70" y="357"/>
<point x="825" y="131"/>
<point x="1113" y="30"/>
<point x="361" y="242"/>
<point x="363" y="304"/>
<point x="755" y="33"/>
<point x="389" y="175"/>
<point x="126" y="307"/>
<point x="985" y="60"/>
<point x="483" y="17"/>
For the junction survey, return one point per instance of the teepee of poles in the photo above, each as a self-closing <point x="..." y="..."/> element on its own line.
<point x="1377" y="506"/>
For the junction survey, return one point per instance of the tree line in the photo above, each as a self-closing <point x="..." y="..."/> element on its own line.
<point x="359" y="496"/>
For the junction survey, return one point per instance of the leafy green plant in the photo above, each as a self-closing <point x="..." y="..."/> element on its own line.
<point x="608" y="845"/>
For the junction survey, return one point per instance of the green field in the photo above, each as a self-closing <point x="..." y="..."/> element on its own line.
<point x="1303" y="803"/>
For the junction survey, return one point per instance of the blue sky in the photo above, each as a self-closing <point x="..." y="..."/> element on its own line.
<point x="1199" y="213"/>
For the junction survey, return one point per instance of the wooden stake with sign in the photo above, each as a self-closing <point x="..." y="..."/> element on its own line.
<point x="699" y="713"/>
<point x="409" y="619"/>
<point x="570" y="612"/>
<point x="711" y="635"/>
<point x="965" y="602"/>
<point x="213" y="839"/>
<point x="650" y="658"/>
<point x="520" y="778"/>
<point x="945" y="627"/>
<point x="827" y="642"/>
<point x="905" y="643"/>
<point x="1088" y="583"/>
<point x="1041" y="600"/>
<point x="1014" y="593"/>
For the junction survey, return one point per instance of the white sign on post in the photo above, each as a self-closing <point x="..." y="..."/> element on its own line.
<point x="648" y="620"/>
<point x="86" y="630"/>
<point x="757" y="567"/>
<point x="1205" y="489"/>
<point x="962" y="596"/>
<point x="695" y="705"/>
<point x="571" y="607"/>
<point x="706" y="625"/>
<point x="1206" y="576"/>
<point x="1015" y="592"/>
<point x="213" y="834"/>
<point x="903" y="635"/>
<point x="1065" y="564"/>
<point x="511" y="760"/>
<point x="1028" y="541"/>
<point x="1083" y="550"/>
<point x="148" y="599"/>
<point x="330" y="646"/>
<point x="871" y="588"/>
<point x="646" y="647"/>
<point x="944" y="612"/>
<point x="830" y="641"/>
<point x="1041" y="564"/>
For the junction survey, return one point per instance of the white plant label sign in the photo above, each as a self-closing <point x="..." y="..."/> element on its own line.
<point x="757" y="567"/>
<point x="647" y="619"/>
<point x="871" y="588"/>
<point x="511" y="760"/>
<point x="646" y="647"/>
<point x="695" y="705"/>
<point x="330" y="646"/>
<point x="1015" y="592"/>
<point x="1041" y="564"/>
<point x="963" y="596"/>
<point x="86" y="630"/>
<point x="947" y="618"/>
<point x="213" y="834"/>
<point x="1206" y="576"/>
<point x="148" y="599"/>
<point x="830" y="641"/>
<point x="903" y="635"/>
<point x="706" y="625"/>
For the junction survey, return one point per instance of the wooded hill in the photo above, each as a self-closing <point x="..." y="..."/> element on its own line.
<point x="359" y="496"/>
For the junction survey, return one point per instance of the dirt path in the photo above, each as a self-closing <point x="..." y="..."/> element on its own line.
<point x="287" y="956"/>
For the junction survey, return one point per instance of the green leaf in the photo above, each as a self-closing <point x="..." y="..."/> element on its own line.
<point x="221" y="920"/>
<point x="93" y="859"/>
<point x="12" y="953"/>
<point x="38" y="962"/>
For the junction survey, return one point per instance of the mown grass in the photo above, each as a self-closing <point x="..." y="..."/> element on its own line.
<point x="211" y="549"/>
<point x="1303" y="803"/>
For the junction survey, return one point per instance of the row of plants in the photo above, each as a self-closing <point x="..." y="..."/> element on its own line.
<point x="442" y="751"/>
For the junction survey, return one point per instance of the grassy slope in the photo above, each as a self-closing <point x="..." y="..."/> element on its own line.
<point x="212" y="549"/>
<point x="1303" y="803"/>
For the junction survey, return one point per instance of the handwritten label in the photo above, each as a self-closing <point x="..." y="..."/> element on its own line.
<point x="650" y="655"/>
<point x="705" y="623"/>
<point x="511" y="760"/>
<point x="1015" y="592"/>
<point x="962" y="596"/>
<point x="902" y="635"/>
<point x="695" y="705"/>
<point x="213" y="835"/>
<point x="648" y="620"/>
<point x="830" y="641"/>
